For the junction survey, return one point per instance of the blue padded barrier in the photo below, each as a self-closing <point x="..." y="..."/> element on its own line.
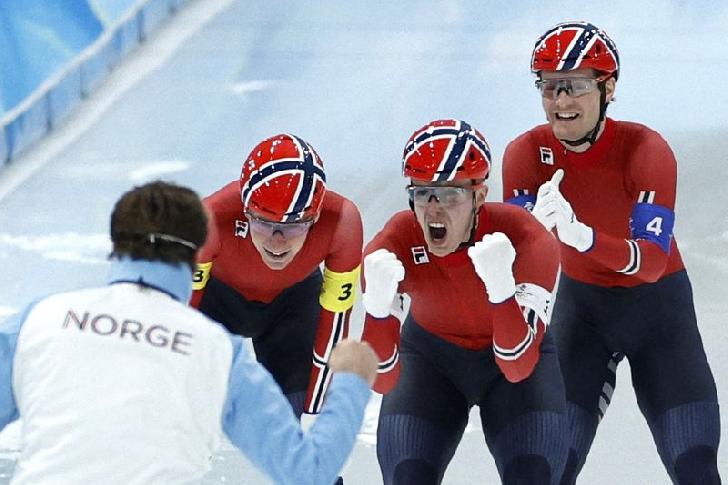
<point x="96" y="67"/>
<point x="153" y="13"/>
<point x="40" y="37"/>
<point x="64" y="96"/>
<point x="110" y="12"/>
<point x="4" y="152"/>
<point x="126" y="23"/>
<point x="178" y="4"/>
<point x="127" y="35"/>
<point x="29" y="125"/>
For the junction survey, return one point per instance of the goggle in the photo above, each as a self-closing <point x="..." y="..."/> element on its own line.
<point x="287" y="229"/>
<point x="573" y="86"/>
<point x="446" y="195"/>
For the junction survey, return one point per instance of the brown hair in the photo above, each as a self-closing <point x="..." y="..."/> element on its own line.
<point x="159" y="221"/>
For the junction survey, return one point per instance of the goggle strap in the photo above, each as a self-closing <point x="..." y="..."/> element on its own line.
<point x="153" y="236"/>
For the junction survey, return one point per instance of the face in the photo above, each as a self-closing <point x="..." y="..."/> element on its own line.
<point x="446" y="216"/>
<point x="277" y="243"/>
<point x="572" y="116"/>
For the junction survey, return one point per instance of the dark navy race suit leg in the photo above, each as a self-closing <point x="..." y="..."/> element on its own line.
<point x="283" y="331"/>
<point x="655" y="327"/>
<point x="422" y="420"/>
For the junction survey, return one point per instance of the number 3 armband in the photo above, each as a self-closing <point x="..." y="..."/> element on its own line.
<point x="654" y="223"/>
<point x="339" y="289"/>
<point x="201" y="275"/>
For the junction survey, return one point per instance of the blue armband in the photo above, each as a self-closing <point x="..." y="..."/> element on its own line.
<point x="654" y="223"/>
<point x="527" y="201"/>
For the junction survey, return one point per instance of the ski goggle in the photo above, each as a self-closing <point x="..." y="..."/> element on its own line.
<point x="573" y="86"/>
<point x="287" y="229"/>
<point x="447" y="196"/>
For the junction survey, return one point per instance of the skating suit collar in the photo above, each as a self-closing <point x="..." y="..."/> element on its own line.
<point x="174" y="280"/>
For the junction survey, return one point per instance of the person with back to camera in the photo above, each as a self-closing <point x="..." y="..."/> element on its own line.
<point x="126" y="384"/>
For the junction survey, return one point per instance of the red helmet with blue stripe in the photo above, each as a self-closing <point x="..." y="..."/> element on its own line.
<point x="283" y="180"/>
<point x="445" y="150"/>
<point x="575" y="45"/>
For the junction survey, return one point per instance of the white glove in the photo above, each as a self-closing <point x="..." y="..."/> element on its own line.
<point x="552" y="209"/>
<point x="548" y="201"/>
<point x="493" y="261"/>
<point x="382" y="273"/>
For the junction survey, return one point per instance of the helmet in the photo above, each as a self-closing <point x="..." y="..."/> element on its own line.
<point x="575" y="45"/>
<point x="283" y="180"/>
<point x="445" y="150"/>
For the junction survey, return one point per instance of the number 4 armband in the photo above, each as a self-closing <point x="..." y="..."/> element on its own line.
<point x="654" y="223"/>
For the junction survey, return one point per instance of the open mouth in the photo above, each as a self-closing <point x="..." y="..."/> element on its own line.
<point x="566" y="116"/>
<point x="437" y="231"/>
<point x="274" y="255"/>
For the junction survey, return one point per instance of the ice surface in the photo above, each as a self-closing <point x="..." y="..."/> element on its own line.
<point x="354" y="79"/>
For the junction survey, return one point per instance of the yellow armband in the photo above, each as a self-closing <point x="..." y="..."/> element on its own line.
<point x="338" y="290"/>
<point x="201" y="275"/>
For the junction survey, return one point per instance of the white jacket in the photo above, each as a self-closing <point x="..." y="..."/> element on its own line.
<point x="127" y="385"/>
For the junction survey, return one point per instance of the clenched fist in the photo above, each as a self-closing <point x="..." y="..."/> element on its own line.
<point x="493" y="261"/>
<point x="357" y="357"/>
<point x="382" y="273"/>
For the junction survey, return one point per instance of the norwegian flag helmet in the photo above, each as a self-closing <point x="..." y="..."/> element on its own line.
<point x="283" y="180"/>
<point x="445" y="150"/>
<point x="575" y="45"/>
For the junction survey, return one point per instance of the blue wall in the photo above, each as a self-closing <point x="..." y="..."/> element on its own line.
<point x="54" y="52"/>
<point x="38" y="37"/>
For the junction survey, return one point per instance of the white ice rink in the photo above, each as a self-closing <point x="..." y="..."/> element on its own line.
<point x="355" y="79"/>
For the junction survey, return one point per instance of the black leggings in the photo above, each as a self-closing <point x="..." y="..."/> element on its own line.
<point x="422" y="420"/>
<point x="654" y="326"/>
<point x="283" y="331"/>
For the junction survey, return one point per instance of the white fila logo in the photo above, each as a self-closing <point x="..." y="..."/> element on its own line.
<point x="241" y="228"/>
<point x="547" y="156"/>
<point x="420" y="255"/>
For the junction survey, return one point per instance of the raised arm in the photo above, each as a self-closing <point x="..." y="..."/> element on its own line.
<point x="519" y="282"/>
<point x="259" y="420"/>
<point x="341" y="276"/>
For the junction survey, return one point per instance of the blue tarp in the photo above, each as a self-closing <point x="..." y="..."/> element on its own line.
<point x="38" y="37"/>
<point x="109" y="11"/>
<point x="42" y="40"/>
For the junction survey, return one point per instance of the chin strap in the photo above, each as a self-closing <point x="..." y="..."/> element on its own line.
<point x="591" y="136"/>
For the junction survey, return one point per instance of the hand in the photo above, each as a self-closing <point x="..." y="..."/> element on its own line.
<point x="493" y="261"/>
<point x="382" y="273"/>
<point x="357" y="357"/>
<point x="555" y="210"/>
<point x="548" y="201"/>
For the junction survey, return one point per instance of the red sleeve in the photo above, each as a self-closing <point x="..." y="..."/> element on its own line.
<point x="345" y="252"/>
<point x="520" y="322"/>
<point x="520" y="181"/>
<point x="515" y="343"/>
<point x="652" y="179"/>
<point x="383" y="334"/>
<point x="333" y="326"/>
<point x="205" y="258"/>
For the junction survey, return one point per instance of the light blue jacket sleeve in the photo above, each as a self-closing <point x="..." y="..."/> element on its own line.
<point x="259" y="420"/>
<point x="9" y="330"/>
